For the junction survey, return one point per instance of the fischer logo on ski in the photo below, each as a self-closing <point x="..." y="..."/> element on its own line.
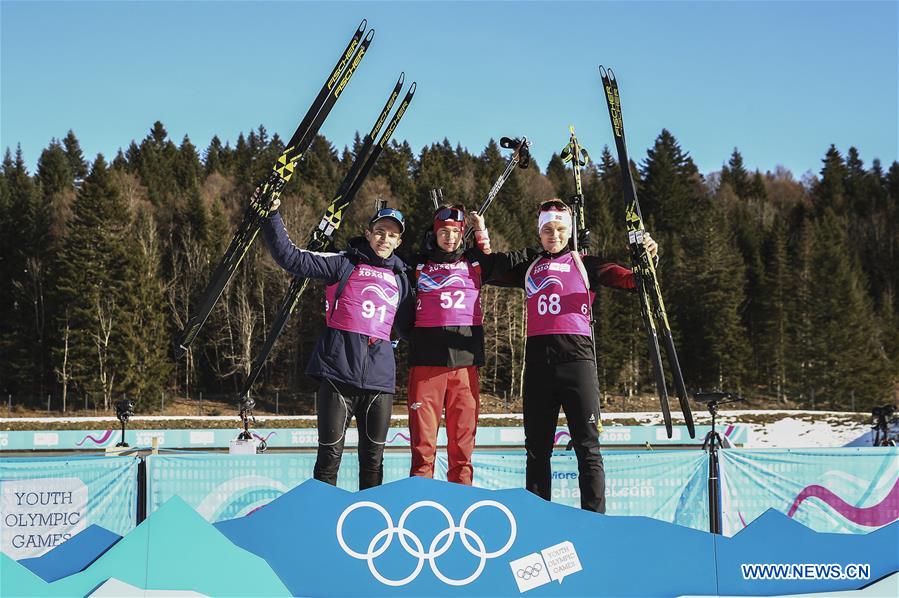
<point x="652" y="306"/>
<point x="274" y="184"/>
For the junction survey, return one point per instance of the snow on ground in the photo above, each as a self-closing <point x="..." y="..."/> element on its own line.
<point x="801" y="433"/>
<point x="767" y="428"/>
<point x="778" y="428"/>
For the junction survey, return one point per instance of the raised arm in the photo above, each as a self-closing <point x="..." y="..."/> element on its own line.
<point x="602" y="273"/>
<point x="605" y="274"/>
<point x="299" y="262"/>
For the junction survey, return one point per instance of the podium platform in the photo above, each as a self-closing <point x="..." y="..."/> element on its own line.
<point x="419" y="537"/>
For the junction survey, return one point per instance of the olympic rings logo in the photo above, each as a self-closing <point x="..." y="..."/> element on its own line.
<point x="529" y="571"/>
<point x="436" y="549"/>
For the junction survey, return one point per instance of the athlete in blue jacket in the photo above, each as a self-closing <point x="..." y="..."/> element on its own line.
<point x="367" y="297"/>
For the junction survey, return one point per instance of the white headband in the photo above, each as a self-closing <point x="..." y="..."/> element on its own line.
<point x="554" y="216"/>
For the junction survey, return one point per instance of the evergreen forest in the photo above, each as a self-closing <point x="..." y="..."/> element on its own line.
<point x="775" y="287"/>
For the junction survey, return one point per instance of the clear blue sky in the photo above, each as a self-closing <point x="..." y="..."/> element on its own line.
<point x="779" y="80"/>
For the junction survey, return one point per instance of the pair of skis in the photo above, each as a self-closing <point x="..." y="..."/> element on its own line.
<point x="652" y="307"/>
<point x="273" y="185"/>
<point x="322" y="236"/>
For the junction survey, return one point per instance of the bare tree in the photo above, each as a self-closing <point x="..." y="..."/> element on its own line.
<point x="241" y="324"/>
<point x="62" y="373"/>
<point x="105" y="322"/>
<point x="189" y="261"/>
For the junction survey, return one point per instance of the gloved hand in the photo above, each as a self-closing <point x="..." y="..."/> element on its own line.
<point x="585" y="240"/>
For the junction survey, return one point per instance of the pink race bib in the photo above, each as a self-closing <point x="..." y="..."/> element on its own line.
<point x="367" y="304"/>
<point x="557" y="297"/>
<point x="448" y="295"/>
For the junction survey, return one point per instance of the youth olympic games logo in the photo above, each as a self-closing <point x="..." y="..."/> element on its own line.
<point x="416" y="548"/>
<point x="436" y="283"/>
<point x="392" y="298"/>
<point x="532" y="288"/>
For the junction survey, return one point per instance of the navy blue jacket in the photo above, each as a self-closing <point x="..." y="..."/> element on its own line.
<point x="348" y="357"/>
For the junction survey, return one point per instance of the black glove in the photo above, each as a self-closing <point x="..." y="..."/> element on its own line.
<point x="585" y="239"/>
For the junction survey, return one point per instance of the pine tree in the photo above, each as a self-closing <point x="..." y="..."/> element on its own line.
<point x="830" y="190"/>
<point x="94" y="287"/>
<point x="559" y="175"/>
<point x="741" y="196"/>
<point x="318" y="171"/>
<point x="848" y="355"/>
<point x="774" y="317"/>
<point x="671" y="188"/>
<point x="213" y="156"/>
<point x="708" y="289"/>
<point x="432" y="172"/>
<point x="799" y="325"/>
<point x="860" y="188"/>
<point x="120" y="162"/>
<point x="396" y="164"/>
<point x="144" y="339"/>
<point x="26" y="232"/>
<point x="53" y="170"/>
<point x="757" y="187"/>
<point x="77" y="164"/>
<point x="511" y="216"/>
<point x="7" y="305"/>
<point x="187" y="168"/>
<point x="736" y="176"/>
<point x="157" y="164"/>
<point x="133" y="158"/>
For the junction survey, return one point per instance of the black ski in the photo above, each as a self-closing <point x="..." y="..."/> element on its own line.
<point x="322" y="236"/>
<point x="652" y="307"/>
<point x="271" y="188"/>
<point x="521" y="157"/>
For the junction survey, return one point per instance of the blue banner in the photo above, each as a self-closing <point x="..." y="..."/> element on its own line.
<point x="670" y="486"/>
<point x="666" y="485"/>
<point x="828" y="490"/>
<point x="222" y="486"/>
<point x="487" y="436"/>
<point x="419" y="537"/>
<point x="43" y="502"/>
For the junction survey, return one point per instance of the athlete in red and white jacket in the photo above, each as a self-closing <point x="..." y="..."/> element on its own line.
<point x="447" y="341"/>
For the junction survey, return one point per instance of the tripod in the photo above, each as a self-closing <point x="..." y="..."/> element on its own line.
<point x="124" y="409"/>
<point x="881" y="425"/>
<point x="712" y="443"/>
<point x="246" y="412"/>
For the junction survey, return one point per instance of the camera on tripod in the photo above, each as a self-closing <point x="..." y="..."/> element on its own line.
<point x="881" y="427"/>
<point x="885" y="411"/>
<point x="124" y="409"/>
<point x="245" y="411"/>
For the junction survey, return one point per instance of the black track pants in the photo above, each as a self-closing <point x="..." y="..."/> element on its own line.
<point x="574" y="387"/>
<point x="336" y="404"/>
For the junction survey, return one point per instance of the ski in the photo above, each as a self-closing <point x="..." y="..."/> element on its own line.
<point x="273" y="185"/>
<point x="652" y="307"/>
<point x="521" y="157"/>
<point x="322" y="235"/>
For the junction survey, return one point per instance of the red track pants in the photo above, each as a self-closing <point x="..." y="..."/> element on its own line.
<point x="430" y="390"/>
